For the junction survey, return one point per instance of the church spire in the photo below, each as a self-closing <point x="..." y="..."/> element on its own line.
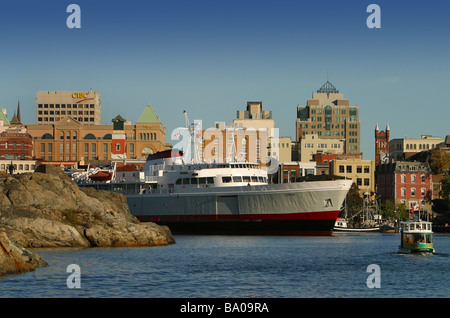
<point x="18" y="111"/>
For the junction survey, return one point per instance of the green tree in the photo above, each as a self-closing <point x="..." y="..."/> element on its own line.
<point x="354" y="201"/>
<point x="401" y="212"/>
<point x="388" y="210"/>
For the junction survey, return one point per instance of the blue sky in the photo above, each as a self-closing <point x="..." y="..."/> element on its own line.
<point x="211" y="57"/>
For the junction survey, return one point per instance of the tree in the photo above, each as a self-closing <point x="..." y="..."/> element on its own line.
<point x="392" y="211"/>
<point x="354" y="201"/>
<point x="387" y="210"/>
<point x="440" y="161"/>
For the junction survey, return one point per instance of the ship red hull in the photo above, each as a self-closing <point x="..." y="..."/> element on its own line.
<point x="306" y="224"/>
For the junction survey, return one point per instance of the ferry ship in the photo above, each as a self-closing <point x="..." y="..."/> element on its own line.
<point x="227" y="198"/>
<point x="416" y="237"/>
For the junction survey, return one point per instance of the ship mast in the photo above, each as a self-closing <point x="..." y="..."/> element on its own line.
<point x="194" y="137"/>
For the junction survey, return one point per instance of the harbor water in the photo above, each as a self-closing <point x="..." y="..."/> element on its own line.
<point x="364" y="265"/>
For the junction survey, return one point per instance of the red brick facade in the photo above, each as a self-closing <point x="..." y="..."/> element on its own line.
<point x="16" y="145"/>
<point x="408" y="183"/>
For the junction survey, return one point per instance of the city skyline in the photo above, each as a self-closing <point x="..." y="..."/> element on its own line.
<point x="210" y="58"/>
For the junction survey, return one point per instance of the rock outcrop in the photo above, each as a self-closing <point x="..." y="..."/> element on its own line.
<point x="14" y="259"/>
<point x="47" y="209"/>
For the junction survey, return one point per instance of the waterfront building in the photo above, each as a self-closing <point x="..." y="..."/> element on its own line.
<point x="83" y="106"/>
<point x="233" y="142"/>
<point x="255" y="118"/>
<point x="68" y="141"/>
<point x="362" y="172"/>
<point x="16" y="144"/>
<point x="330" y="116"/>
<point x="280" y="148"/>
<point x="323" y="161"/>
<point x="407" y="183"/>
<point x="312" y="144"/>
<point x="403" y="148"/>
<point x="381" y="145"/>
<point x="289" y="172"/>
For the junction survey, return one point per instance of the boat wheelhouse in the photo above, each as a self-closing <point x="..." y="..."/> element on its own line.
<point x="416" y="236"/>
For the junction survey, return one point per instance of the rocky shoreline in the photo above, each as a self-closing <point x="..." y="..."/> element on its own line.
<point x="47" y="209"/>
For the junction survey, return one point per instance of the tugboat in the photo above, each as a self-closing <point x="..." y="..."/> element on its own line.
<point x="416" y="237"/>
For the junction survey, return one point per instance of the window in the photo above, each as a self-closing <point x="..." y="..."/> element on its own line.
<point x="403" y="192"/>
<point x="423" y="178"/>
<point x="422" y="192"/>
<point x="413" y="192"/>
<point x="349" y="169"/>
<point x="93" y="148"/>
<point x="366" y="169"/>
<point x="366" y="181"/>
<point x="413" y="178"/>
<point x="341" y="169"/>
<point x="359" y="169"/>
<point x="358" y="181"/>
<point x="403" y="179"/>
<point x="226" y="179"/>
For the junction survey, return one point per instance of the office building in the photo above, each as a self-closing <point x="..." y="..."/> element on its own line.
<point x="330" y="116"/>
<point x="83" y="106"/>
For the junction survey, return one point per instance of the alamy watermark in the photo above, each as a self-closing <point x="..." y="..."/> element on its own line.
<point x="74" y="19"/>
<point x="374" y="279"/>
<point x="374" y="19"/>
<point x="228" y="144"/>
<point x="74" y="279"/>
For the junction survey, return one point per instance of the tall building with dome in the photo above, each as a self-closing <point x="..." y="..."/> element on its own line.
<point x="330" y="116"/>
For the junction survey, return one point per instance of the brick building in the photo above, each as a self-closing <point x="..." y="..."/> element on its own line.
<point x="408" y="183"/>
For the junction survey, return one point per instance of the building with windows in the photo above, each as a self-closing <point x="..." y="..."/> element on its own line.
<point x="68" y="141"/>
<point x="233" y="143"/>
<point x="16" y="144"/>
<point x="381" y="145"/>
<point x="362" y="172"/>
<point x="83" y="106"/>
<point x="330" y="116"/>
<point x="408" y="183"/>
<point x="311" y="144"/>
<point x="403" y="148"/>
<point x="255" y="118"/>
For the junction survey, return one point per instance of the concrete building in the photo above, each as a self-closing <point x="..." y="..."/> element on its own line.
<point x="233" y="142"/>
<point x="330" y="116"/>
<point x="312" y="144"/>
<point x="255" y="118"/>
<point x="281" y="149"/>
<point x="403" y="148"/>
<point x="362" y="172"/>
<point x="83" y="106"/>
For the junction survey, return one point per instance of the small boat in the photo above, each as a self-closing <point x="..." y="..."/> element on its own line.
<point x="416" y="237"/>
<point x="101" y="176"/>
<point x="341" y="225"/>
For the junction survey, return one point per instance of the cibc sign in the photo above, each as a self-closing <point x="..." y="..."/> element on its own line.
<point x="80" y="95"/>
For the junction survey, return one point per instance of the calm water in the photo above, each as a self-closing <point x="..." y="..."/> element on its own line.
<point x="242" y="267"/>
